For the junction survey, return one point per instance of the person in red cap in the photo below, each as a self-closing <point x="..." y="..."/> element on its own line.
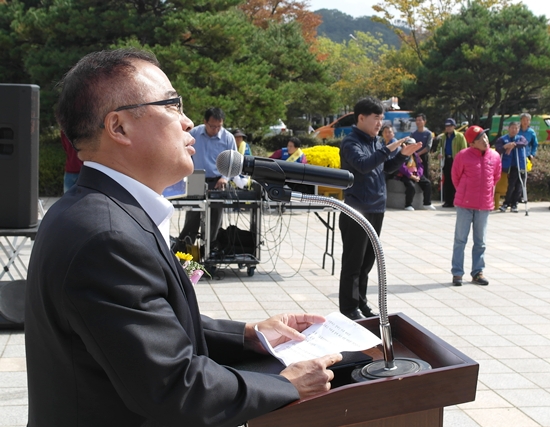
<point x="475" y="172"/>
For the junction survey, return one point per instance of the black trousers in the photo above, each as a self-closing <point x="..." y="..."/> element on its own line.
<point x="357" y="261"/>
<point x="426" y="164"/>
<point x="192" y="223"/>
<point x="424" y="184"/>
<point x="515" y="189"/>
<point x="448" y="187"/>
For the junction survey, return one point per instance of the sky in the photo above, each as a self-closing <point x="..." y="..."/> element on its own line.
<point x="358" y="8"/>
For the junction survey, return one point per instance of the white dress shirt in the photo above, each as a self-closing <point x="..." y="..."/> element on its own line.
<point x="155" y="205"/>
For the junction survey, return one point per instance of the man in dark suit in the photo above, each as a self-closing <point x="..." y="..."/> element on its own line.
<point x="113" y="331"/>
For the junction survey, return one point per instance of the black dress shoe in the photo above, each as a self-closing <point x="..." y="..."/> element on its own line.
<point x="448" y="205"/>
<point x="367" y="312"/>
<point x="355" y="315"/>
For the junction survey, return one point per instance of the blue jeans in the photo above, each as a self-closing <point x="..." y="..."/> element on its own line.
<point x="478" y="220"/>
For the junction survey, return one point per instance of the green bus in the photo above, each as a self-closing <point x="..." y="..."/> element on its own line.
<point x="540" y="124"/>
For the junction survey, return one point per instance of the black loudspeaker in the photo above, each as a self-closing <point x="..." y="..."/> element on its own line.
<point x="19" y="129"/>
<point x="12" y="304"/>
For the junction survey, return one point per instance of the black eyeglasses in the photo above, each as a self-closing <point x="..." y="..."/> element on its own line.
<point x="172" y="101"/>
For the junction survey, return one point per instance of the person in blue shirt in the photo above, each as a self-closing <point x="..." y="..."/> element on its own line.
<point x="211" y="138"/>
<point x="512" y="148"/>
<point x="388" y="136"/>
<point x="529" y="134"/>
<point x="424" y="135"/>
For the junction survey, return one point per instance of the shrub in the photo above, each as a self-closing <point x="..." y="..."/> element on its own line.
<point x="298" y="125"/>
<point x="538" y="179"/>
<point x="274" y="143"/>
<point x="51" y="164"/>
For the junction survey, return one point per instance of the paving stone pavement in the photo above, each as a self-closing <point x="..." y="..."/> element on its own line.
<point x="505" y="326"/>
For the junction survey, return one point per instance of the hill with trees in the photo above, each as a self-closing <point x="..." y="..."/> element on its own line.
<point x="337" y="26"/>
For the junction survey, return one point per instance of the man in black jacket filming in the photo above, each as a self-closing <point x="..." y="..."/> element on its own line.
<point x="367" y="157"/>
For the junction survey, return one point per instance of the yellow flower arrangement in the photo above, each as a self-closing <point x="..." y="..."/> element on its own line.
<point x="323" y="155"/>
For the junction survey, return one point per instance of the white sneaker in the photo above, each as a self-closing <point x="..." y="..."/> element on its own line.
<point x="429" y="207"/>
<point x="409" y="208"/>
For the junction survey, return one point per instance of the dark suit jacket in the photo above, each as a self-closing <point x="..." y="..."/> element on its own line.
<point x="113" y="331"/>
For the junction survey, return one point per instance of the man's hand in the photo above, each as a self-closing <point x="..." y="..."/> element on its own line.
<point x="408" y="149"/>
<point x="396" y="144"/>
<point x="415" y="178"/>
<point x="312" y="377"/>
<point x="509" y="147"/>
<point x="221" y="184"/>
<point x="279" y="329"/>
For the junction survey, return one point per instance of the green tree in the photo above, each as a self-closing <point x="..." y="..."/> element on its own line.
<point x="210" y="49"/>
<point x="422" y="17"/>
<point x="50" y="36"/>
<point x="254" y="75"/>
<point x="263" y="12"/>
<point x="363" y="66"/>
<point x="12" y="69"/>
<point x="483" y="62"/>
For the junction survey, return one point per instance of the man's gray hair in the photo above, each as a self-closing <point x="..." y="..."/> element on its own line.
<point x="525" y="115"/>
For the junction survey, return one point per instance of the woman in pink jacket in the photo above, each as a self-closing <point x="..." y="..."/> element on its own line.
<point x="475" y="172"/>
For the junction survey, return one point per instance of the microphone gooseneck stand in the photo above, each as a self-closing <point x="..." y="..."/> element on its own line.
<point x="390" y="366"/>
<point x="272" y="179"/>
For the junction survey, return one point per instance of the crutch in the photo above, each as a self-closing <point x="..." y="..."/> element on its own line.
<point x="441" y="177"/>
<point x="522" y="182"/>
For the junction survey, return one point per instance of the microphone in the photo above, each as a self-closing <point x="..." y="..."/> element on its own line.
<point x="231" y="163"/>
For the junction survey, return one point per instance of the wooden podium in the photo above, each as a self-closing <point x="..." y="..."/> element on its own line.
<point x="413" y="400"/>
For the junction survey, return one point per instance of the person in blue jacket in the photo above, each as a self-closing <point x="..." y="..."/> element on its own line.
<point x="367" y="157"/>
<point x="512" y="148"/>
<point x="292" y="152"/>
<point x="529" y="134"/>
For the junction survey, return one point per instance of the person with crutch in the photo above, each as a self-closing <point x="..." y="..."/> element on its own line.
<point x="523" y="181"/>
<point x="512" y="150"/>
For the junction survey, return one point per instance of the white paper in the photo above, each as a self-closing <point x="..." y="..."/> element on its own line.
<point x="337" y="334"/>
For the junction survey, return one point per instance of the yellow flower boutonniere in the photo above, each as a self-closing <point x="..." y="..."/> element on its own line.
<point x="193" y="269"/>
